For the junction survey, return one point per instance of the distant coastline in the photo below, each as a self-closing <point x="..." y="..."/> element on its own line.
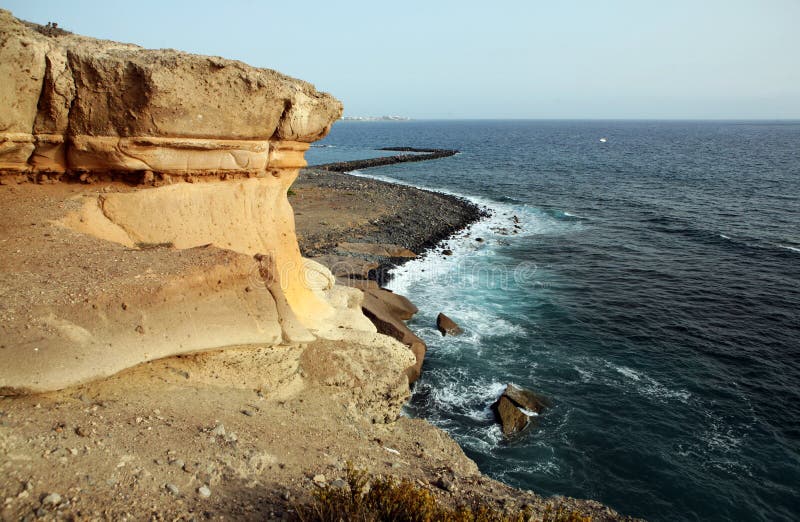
<point x="375" y="118"/>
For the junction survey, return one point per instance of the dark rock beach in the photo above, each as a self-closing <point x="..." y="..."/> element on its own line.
<point x="364" y="210"/>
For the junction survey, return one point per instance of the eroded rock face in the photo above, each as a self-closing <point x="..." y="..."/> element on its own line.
<point x="208" y="148"/>
<point x="72" y="104"/>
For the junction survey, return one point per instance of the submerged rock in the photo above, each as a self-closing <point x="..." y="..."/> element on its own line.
<point x="447" y="326"/>
<point x="515" y="408"/>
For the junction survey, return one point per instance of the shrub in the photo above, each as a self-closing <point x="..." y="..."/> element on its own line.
<point x="388" y="500"/>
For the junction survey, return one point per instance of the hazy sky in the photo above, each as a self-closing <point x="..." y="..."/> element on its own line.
<point x="465" y="59"/>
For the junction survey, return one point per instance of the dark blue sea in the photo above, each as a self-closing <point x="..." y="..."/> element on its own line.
<point x="651" y="290"/>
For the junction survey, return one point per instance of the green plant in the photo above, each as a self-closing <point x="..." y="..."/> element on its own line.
<point x="290" y="192"/>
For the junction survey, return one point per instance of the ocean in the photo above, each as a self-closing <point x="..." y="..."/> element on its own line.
<point x="647" y="284"/>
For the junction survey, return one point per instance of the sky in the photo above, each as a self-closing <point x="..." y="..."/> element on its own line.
<point x="584" y="59"/>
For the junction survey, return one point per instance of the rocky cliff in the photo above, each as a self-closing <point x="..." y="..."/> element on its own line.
<point x="75" y="105"/>
<point x="156" y="185"/>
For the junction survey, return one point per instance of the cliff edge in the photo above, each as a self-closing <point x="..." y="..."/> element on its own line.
<point x="145" y="212"/>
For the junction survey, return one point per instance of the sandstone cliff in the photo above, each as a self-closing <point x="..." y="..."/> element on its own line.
<point x="72" y="104"/>
<point x="174" y="232"/>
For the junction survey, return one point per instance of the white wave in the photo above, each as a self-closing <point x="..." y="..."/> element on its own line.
<point x="474" y="398"/>
<point x="793" y="249"/>
<point x="649" y="387"/>
<point x="723" y="236"/>
<point x="627" y="372"/>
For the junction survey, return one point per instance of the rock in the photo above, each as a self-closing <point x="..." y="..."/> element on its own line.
<point x="101" y="91"/>
<point x="419" y="349"/>
<point x="515" y="407"/>
<point x="399" y="306"/>
<point x="447" y="252"/>
<point x="526" y="398"/>
<point x="157" y="119"/>
<point x="447" y="326"/>
<point x="319" y="479"/>
<point x="511" y="418"/>
<point x="172" y="488"/>
<point x="51" y="500"/>
<point x="204" y="491"/>
<point x="339" y="483"/>
<point x="445" y="484"/>
<point x="389" y="324"/>
<point x="218" y="431"/>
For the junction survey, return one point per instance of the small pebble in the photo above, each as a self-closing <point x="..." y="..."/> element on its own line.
<point x="204" y="492"/>
<point x="51" y="500"/>
<point x="172" y="488"/>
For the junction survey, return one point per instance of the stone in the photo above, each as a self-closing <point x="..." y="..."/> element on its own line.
<point x="447" y="252"/>
<point x="447" y="326"/>
<point x="515" y="408"/>
<point x="445" y="484"/>
<point x="389" y="324"/>
<point x="526" y="398"/>
<point x="204" y="491"/>
<point x="51" y="500"/>
<point x="399" y="306"/>
<point x="511" y="418"/>
<point x="218" y="431"/>
<point x="172" y="488"/>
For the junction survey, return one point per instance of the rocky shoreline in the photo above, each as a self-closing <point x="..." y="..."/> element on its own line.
<point x="168" y="354"/>
<point x="413" y="218"/>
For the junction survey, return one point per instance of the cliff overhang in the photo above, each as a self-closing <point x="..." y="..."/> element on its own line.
<point x="139" y="261"/>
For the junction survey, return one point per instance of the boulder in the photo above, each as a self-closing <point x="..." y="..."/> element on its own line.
<point x="384" y="317"/>
<point x="511" y="418"/>
<point x="386" y="322"/>
<point x="525" y="398"/>
<point x="515" y="407"/>
<point x="399" y="306"/>
<point x="447" y="326"/>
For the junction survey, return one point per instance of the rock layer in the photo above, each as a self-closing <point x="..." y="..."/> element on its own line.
<point x="72" y="104"/>
<point x="80" y="109"/>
